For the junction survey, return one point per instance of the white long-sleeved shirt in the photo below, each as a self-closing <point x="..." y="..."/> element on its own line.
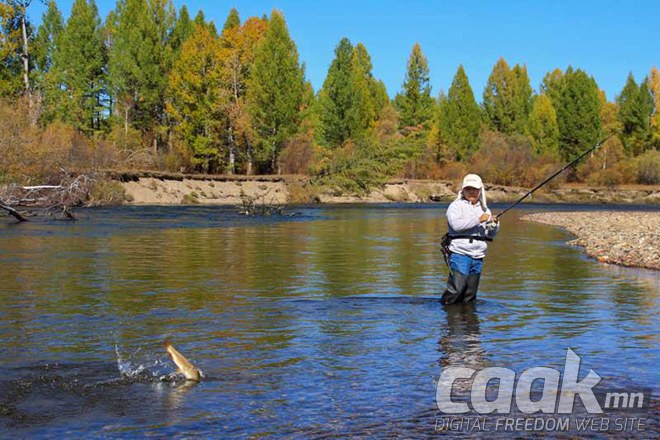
<point x="463" y="219"/>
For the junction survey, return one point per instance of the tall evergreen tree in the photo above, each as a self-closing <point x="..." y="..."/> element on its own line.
<point x="578" y="114"/>
<point x="233" y="20"/>
<point x="275" y="90"/>
<point x="76" y="83"/>
<point x="635" y="113"/>
<point x="362" y="112"/>
<point x="552" y="86"/>
<point x="380" y="98"/>
<point x="336" y="95"/>
<point x="543" y="127"/>
<point x="460" y="117"/>
<point x="377" y="91"/>
<point x="140" y="60"/>
<point x="45" y="42"/>
<point x="351" y="100"/>
<point x="414" y="102"/>
<point x="183" y="28"/>
<point x="523" y="98"/>
<point x="507" y="98"/>
<point x="198" y="102"/>
<point x="200" y="18"/>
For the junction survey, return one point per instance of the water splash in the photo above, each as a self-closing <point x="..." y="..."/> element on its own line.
<point x="142" y="366"/>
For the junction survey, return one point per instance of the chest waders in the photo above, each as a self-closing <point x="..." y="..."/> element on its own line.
<point x="461" y="288"/>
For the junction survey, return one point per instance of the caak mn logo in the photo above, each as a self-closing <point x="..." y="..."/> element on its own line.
<point x="493" y="390"/>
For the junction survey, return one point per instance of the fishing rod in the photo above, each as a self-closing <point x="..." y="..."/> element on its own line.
<point x="554" y="175"/>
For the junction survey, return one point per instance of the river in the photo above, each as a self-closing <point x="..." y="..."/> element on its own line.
<point x="325" y="323"/>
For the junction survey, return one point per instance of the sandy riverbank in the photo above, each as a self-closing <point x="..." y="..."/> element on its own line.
<point x="617" y="237"/>
<point x="165" y="189"/>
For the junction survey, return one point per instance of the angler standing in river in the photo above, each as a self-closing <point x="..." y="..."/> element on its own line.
<point x="471" y="226"/>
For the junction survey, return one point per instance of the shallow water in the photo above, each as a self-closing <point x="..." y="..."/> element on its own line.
<point x="323" y="324"/>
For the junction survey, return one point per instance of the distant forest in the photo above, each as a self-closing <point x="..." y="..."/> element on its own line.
<point x="152" y="88"/>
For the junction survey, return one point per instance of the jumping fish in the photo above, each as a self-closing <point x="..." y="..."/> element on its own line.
<point x="185" y="366"/>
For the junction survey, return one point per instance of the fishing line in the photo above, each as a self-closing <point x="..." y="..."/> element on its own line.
<point x="554" y="175"/>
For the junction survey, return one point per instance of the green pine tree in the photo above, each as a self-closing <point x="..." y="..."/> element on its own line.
<point x="552" y="86"/>
<point x="183" y="28"/>
<point x="635" y="113"/>
<point x="507" y="98"/>
<point x="351" y="100"/>
<point x="460" y="118"/>
<point x="139" y="62"/>
<point x="380" y="98"/>
<point x="45" y="42"/>
<point x="76" y="82"/>
<point x="362" y="112"/>
<point x="200" y="19"/>
<point x="275" y="90"/>
<point x="578" y="113"/>
<point x="377" y="92"/>
<point x="523" y="98"/>
<point x="233" y="20"/>
<point x="336" y="96"/>
<point x="414" y="103"/>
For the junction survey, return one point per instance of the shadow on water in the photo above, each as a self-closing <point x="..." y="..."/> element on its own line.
<point x="327" y="324"/>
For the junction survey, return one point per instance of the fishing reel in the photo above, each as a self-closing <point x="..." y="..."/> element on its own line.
<point x="492" y="224"/>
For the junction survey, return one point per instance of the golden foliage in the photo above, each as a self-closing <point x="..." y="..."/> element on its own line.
<point x="298" y="154"/>
<point x="508" y="160"/>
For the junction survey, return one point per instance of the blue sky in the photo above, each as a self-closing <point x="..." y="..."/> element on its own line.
<point x="606" y="38"/>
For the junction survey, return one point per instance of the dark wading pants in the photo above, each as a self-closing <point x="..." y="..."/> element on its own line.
<point x="462" y="287"/>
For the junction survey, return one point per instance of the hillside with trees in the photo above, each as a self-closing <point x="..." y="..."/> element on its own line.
<point x="149" y="87"/>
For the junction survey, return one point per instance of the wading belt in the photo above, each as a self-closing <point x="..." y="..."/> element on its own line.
<point x="446" y="241"/>
<point x="471" y="237"/>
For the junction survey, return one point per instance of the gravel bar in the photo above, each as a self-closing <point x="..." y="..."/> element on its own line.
<point x="627" y="238"/>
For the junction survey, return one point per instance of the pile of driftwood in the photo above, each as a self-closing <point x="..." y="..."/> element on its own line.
<point x="46" y="199"/>
<point x="258" y="206"/>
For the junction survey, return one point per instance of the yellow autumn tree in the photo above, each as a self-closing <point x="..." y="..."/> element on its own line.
<point x="197" y="101"/>
<point x="542" y="126"/>
<point x="654" y="83"/>
<point x="11" y="67"/>
<point x="238" y="44"/>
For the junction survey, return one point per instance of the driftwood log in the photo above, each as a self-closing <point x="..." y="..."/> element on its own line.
<point x="72" y="191"/>
<point x="13" y="212"/>
<point x="258" y="205"/>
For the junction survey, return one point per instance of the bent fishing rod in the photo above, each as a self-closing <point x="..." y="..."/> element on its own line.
<point x="576" y="160"/>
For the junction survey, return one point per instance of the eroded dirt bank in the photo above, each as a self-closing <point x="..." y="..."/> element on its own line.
<point x="165" y="189"/>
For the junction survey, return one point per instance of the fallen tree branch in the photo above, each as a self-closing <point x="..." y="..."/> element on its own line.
<point x="72" y="191"/>
<point x="253" y="206"/>
<point x="13" y="212"/>
<point x="36" y="188"/>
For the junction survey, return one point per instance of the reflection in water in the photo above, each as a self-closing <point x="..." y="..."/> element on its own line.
<point x="327" y="323"/>
<point x="461" y="345"/>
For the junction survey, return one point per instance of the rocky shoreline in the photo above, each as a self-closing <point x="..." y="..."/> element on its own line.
<point x="625" y="238"/>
